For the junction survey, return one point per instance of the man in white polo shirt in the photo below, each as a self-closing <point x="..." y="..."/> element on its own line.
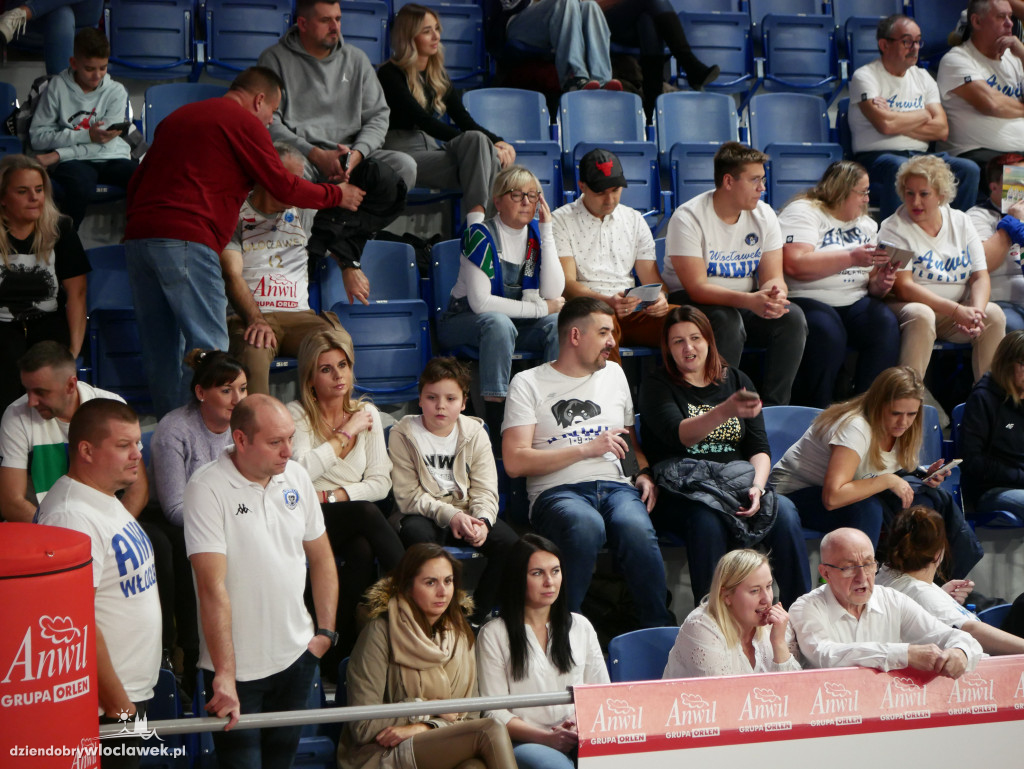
<point x="252" y="521"/>
<point x="981" y="82"/>
<point x="895" y="112"/>
<point x="34" y="432"/>
<point x="724" y="256"/>
<point x="104" y="445"/>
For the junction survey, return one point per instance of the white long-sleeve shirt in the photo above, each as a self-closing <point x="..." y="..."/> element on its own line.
<point x="831" y="637"/>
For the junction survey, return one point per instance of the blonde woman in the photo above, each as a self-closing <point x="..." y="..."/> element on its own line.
<point x="42" y="259"/>
<point x="944" y="292"/>
<point x="420" y="94"/>
<point x="738" y="628"/>
<point x="856" y="466"/>
<point x="838" y="277"/>
<point x="340" y="442"/>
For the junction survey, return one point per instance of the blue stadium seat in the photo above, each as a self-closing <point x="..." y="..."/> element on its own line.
<point x="161" y="100"/>
<point x="392" y="345"/>
<point x="462" y="34"/>
<point x="545" y="160"/>
<point x="706" y="6"/>
<point x="936" y="18"/>
<point x="512" y="113"/>
<point x="997" y="519"/>
<point x="10" y="145"/>
<point x="761" y="8"/>
<point x="687" y="117"/>
<point x="784" y="426"/>
<point x="787" y="117"/>
<point x="315" y="750"/>
<point x="794" y="168"/>
<point x="151" y="39"/>
<point x="691" y="170"/>
<point x="640" y="166"/>
<point x="8" y="101"/>
<point x="844" y="9"/>
<point x="364" y="24"/>
<point x="640" y="655"/>
<point x="994" y="615"/>
<point x="859" y="34"/>
<point x="800" y="55"/>
<point x="237" y="31"/>
<point x="389" y="266"/>
<point x="165" y="706"/>
<point x="600" y="117"/>
<point x="724" y="39"/>
<point x="113" y="333"/>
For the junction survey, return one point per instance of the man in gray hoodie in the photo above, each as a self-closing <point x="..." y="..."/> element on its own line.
<point x="71" y="128"/>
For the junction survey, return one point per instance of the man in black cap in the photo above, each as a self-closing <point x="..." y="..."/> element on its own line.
<point x="601" y="243"/>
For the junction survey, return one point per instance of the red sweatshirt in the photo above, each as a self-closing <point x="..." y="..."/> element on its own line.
<point x="204" y="161"/>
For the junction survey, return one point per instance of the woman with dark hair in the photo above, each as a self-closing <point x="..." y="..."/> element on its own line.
<point x="340" y="441"/>
<point x="42" y="270"/>
<point x="184" y="440"/>
<point x="418" y="646"/>
<point x="737" y="629"/>
<point x="992" y="474"/>
<point x="537" y="645"/>
<point x="917" y="552"/>
<point x="459" y="153"/>
<point x="855" y="465"/>
<point x="838" y="278"/>
<point x="701" y="429"/>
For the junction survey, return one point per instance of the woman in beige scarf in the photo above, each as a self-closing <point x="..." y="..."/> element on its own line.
<point x="419" y="646"/>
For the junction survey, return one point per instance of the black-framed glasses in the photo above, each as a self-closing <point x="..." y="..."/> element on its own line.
<point x="907" y="41"/>
<point x="518" y="195"/>
<point x="849" y="571"/>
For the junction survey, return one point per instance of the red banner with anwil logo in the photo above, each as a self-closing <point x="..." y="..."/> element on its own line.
<point x="619" y="719"/>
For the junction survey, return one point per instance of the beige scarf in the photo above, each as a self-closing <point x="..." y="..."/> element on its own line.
<point x="431" y="669"/>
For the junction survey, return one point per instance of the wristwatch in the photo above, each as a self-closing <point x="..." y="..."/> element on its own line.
<point x="329" y="634"/>
<point x="331" y="497"/>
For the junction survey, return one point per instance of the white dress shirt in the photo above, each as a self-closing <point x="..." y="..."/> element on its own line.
<point x="831" y="637"/>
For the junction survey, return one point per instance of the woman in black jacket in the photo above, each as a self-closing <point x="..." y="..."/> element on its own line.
<point x="697" y="408"/>
<point x="992" y="433"/>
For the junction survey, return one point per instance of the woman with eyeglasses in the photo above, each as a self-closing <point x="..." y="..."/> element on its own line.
<point x="855" y="466"/>
<point x="509" y="289"/>
<point x="917" y="553"/>
<point x="737" y="629"/>
<point x="838" y="277"/>
<point x="992" y="475"/>
<point x="944" y="293"/>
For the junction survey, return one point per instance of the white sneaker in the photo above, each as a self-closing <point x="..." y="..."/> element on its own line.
<point x="12" y="23"/>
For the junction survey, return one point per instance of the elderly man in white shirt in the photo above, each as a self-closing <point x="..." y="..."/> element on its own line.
<point x="851" y="621"/>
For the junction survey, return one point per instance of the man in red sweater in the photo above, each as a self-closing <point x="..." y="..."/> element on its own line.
<point x="183" y="205"/>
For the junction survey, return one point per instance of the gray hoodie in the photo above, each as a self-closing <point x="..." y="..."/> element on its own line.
<point x="329" y="101"/>
<point x="61" y="120"/>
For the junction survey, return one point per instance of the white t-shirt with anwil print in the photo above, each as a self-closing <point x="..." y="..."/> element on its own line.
<point x="570" y="411"/>
<point x="438" y="453"/>
<point x="731" y="252"/>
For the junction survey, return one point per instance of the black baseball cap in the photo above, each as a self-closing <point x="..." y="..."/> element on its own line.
<point x="600" y="169"/>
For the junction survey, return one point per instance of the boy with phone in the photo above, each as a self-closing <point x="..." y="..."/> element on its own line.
<point x="78" y="126"/>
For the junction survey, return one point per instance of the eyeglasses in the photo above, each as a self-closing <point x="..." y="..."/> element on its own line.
<point x="758" y="181"/>
<point x="849" y="571"/>
<point x="907" y="42"/>
<point x="862" y="193"/>
<point x="518" y="195"/>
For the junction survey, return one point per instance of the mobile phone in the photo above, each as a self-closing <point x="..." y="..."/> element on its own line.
<point x="122" y="127"/>
<point x="948" y="466"/>
<point x="345" y="160"/>
<point x="748" y="395"/>
<point x="898" y="257"/>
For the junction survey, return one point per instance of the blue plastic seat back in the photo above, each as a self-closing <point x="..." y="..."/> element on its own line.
<point x="692" y="170"/>
<point x="931" y="443"/>
<point x="237" y="31"/>
<point x="800" y="53"/>
<point x="860" y="41"/>
<point x="10" y="145"/>
<point x="785" y="425"/>
<point x="8" y="101"/>
<point x="794" y="168"/>
<point x="364" y="24"/>
<point x="640" y="655"/>
<point x="994" y="615"/>
<point x="705" y="6"/>
<point x="151" y="39"/>
<point x="787" y="117"/>
<point x="936" y="18"/>
<point x="723" y="39"/>
<point x="600" y="117"/>
<point x="844" y="9"/>
<point x="161" y="100"/>
<point x="462" y="34"/>
<point x="389" y="266"/>
<point x="513" y="114"/>
<point x="545" y="160"/>
<point x="444" y="272"/>
<point x="694" y="118"/>
<point x="761" y="8"/>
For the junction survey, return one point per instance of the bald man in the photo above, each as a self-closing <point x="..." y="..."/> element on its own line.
<point x="851" y="621"/>
<point x="252" y="520"/>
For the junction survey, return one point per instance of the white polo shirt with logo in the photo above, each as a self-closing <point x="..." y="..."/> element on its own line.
<point x="261" y="532"/>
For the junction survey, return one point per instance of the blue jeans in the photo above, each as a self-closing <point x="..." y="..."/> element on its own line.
<point x="865" y="515"/>
<point x="530" y="755"/>
<point x="580" y="517"/>
<point x="577" y="32"/>
<point x="497" y="336"/>
<point x="867" y="325"/>
<point x="180" y="305"/>
<point x="707" y="540"/>
<point x="1010" y="500"/>
<point x="267" y="748"/>
<point x="882" y="168"/>
<point x="59" y="20"/>
<point x="1014" y="316"/>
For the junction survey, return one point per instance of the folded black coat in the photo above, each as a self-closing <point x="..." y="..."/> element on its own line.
<point x="724" y="487"/>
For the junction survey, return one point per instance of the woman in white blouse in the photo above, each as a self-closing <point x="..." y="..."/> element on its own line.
<point x="738" y="628"/>
<point x="509" y="289"/>
<point x="537" y="645"/>
<point x="917" y="550"/>
<point x="944" y="291"/>
<point x="340" y="442"/>
<point x="838" y="278"/>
